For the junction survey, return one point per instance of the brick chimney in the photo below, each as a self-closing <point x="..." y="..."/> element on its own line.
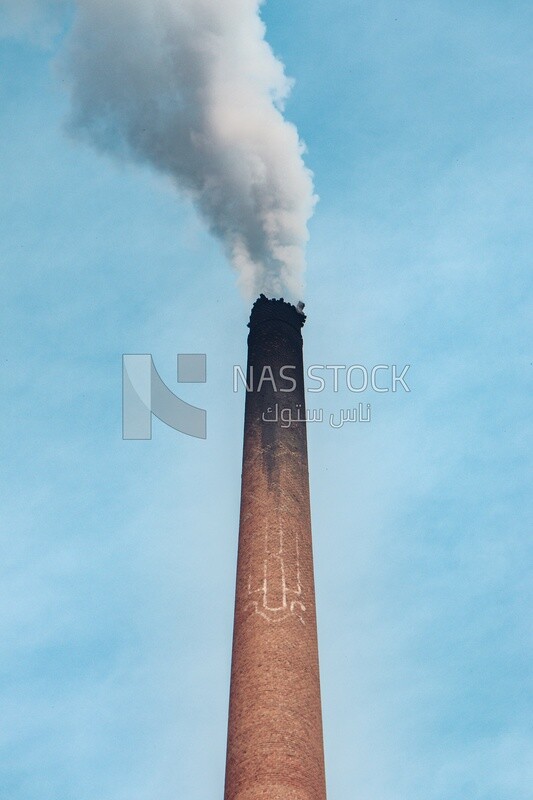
<point x="275" y="749"/>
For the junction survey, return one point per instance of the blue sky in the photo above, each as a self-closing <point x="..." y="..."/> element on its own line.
<point x="119" y="557"/>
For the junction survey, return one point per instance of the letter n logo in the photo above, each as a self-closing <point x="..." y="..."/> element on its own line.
<point x="144" y="394"/>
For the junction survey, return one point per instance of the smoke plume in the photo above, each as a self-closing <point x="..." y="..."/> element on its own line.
<point x="192" y="88"/>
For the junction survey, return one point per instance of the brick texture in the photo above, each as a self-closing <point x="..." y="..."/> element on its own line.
<point x="275" y="749"/>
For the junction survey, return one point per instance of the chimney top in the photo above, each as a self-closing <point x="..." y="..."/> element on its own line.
<point x="265" y="310"/>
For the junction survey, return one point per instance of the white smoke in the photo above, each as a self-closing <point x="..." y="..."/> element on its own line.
<point x="192" y="88"/>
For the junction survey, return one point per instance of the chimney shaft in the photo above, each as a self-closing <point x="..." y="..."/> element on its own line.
<point x="275" y="749"/>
